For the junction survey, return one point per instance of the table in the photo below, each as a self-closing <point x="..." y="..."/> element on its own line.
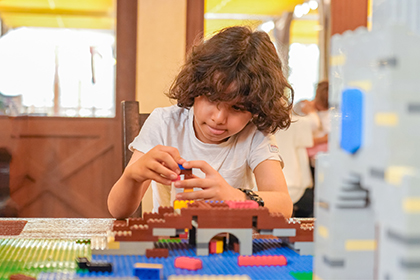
<point x="47" y="248"/>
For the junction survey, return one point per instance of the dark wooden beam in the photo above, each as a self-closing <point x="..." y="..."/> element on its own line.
<point x="126" y="52"/>
<point x="195" y="22"/>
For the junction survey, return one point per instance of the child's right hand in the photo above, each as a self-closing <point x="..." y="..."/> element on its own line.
<point x="159" y="164"/>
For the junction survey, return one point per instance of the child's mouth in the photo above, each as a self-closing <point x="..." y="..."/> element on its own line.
<point x="216" y="131"/>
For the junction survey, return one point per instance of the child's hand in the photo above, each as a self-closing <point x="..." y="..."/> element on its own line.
<point x="159" y="164"/>
<point x="214" y="186"/>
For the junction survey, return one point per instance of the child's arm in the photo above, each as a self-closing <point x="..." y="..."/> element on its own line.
<point x="270" y="181"/>
<point x="159" y="164"/>
<point x="272" y="187"/>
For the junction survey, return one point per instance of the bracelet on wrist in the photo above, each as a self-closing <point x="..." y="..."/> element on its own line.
<point x="250" y="195"/>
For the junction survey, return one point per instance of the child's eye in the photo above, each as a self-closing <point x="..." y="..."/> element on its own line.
<point x="238" y="108"/>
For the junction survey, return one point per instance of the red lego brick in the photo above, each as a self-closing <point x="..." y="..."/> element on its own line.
<point x="262" y="260"/>
<point x="165" y="209"/>
<point x="171" y="221"/>
<point x="242" y="204"/>
<point x="267" y="220"/>
<point x="21" y="277"/>
<point x="137" y="233"/>
<point x="157" y="253"/>
<point x="183" y="235"/>
<point x="120" y="227"/>
<point x="11" y="227"/>
<point x="150" y="215"/>
<point x="188" y="263"/>
<point x="305" y="233"/>
<point x="136" y="221"/>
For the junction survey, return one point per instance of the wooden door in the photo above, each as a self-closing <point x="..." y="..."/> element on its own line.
<point x="62" y="167"/>
<point x="65" y="167"/>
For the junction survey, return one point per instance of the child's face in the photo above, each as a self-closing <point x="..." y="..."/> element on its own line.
<point x="214" y="122"/>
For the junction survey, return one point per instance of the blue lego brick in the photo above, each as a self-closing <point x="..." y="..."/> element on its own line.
<point x="352" y="120"/>
<point x="146" y="271"/>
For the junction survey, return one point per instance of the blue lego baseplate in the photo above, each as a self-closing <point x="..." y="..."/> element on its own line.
<point x="213" y="264"/>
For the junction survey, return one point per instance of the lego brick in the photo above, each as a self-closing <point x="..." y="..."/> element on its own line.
<point x="284" y="232"/>
<point x="164" y="231"/>
<point x="82" y="262"/>
<point x="242" y="204"/>
<point x="99" y="267"/>
<point x="216" y="246"/>
<point x="21" y="277"/>
<point x="11" y="227"/>
<point x="171" y="220"/>
<point x="188" y="263"/>
<point x="262" y="260"/>
<point x="148" y="271"/>
<point x="157" y="253"/>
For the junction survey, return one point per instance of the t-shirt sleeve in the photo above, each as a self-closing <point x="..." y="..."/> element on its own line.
<point x="263" y="147"/>
<point x="150" y="134"/>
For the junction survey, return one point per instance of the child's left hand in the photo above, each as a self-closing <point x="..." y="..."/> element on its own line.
<point x="214" y="187"/>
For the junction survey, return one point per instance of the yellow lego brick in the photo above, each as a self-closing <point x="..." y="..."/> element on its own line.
<point x="365" y="85"/>
<point x="219" y="246"/>
<point x="323" y="231"/>
<point x="386" y="119"/>
<point x="148" y="265"/>
<point x="112" y="244"/>
<point x="360" y="245"/>
<point x="321" y="177"/>
<point x="394" y="174"/>
<point x="179" y="204"/>
<point x="316" y="277"/>
<point x="411" y="205"/>
<point x="337" y="60"/>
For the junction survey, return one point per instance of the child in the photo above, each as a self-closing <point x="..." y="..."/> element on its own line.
<point x="231" y="95"/>
<point x="317" y="112"/>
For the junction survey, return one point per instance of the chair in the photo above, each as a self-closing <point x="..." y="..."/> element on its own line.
<point x="132" y="122"/>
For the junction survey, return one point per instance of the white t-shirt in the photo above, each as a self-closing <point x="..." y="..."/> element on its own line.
<point x="320" y="122"/>
<point x="234" y="159"/>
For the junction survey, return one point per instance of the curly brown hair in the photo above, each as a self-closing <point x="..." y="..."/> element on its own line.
<point x="248" y="60"/>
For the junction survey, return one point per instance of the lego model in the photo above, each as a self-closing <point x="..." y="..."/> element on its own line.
<point x="367" y="187"/>
<point x="202" y="219"/>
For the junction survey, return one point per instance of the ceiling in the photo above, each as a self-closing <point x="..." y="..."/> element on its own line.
<point x="92" y="14"/>
<point x="100" y="14"/>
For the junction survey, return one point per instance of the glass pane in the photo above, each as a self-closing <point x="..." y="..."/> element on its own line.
<point x="304" y="70"/>
<point x="57" y="72"/>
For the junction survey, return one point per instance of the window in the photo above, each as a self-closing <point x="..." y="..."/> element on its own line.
<point x="57" y="72"/>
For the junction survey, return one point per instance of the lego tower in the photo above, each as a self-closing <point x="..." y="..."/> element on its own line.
<point x="368" y="185"/>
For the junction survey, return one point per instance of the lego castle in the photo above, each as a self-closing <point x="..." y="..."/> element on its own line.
<point x="368" y="185"/>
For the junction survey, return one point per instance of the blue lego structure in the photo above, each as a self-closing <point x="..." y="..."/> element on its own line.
<point x="214" y="264"/>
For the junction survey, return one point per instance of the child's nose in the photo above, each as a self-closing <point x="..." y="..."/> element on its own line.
<point x="220" y="114"/>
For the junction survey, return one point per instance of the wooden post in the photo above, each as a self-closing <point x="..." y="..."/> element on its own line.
<point x="195" y="22"/>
